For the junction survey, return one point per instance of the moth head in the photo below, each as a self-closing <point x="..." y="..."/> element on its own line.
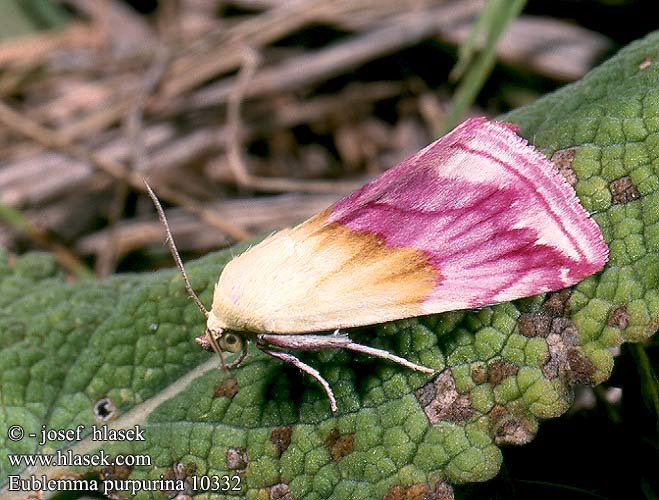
<point x="223" y="341"/>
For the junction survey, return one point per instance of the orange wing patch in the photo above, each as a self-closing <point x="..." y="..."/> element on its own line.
<point x="320" y="274"/>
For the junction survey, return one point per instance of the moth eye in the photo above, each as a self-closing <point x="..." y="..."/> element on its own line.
<point x="231" y="342"/>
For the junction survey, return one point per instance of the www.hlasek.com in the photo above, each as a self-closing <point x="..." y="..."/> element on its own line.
<point x="98" y="459"/>
<point x="67" y="458"/>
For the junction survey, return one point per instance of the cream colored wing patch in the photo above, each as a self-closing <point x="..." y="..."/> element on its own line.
<point x="320" y="276"/>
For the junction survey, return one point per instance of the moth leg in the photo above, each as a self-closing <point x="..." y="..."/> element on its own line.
<point x="289" y="358"/>
<point x="334" y="341"/>
<point x="381" y="353"/>
<point x="239" y="359"/>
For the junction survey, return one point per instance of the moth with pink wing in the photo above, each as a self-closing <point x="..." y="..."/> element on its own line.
<point x="476" y="218"/>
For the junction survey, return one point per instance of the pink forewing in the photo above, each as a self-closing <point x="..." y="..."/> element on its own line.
<point x="489" y="211"/>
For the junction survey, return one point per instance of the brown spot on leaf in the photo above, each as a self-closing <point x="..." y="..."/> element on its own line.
<point x="441" y="401"/>
<point x="646" y="63"/>
<point x="556" y="359"/>
<point x="619" y="318"/>
<point x="281" y="438"/>
<point x="510" y="428"/>
<point x="237" y="459"/>
<point x="560" y="332"/>
<point x="34" y="495"/>
<point x="497" y="413"/>
<point x="582" y="369"/>
<point x="229" y="388"/>
<point x="557" y="303"/>
<point x="442" y="491"/>
<point x="623" y="190"/>
<point x="562" y="160"/>
<point x="104" y="410"/>
<point x="280" y="491"/>
<point x="340" y="445"/>
<point x="500" y="369"/>
<point x="395" y="493"/>
<point x="479" y="374"/>
<point x="533" y="324"/>
<point x="426" y="394"/>
<point x="512" y="432"/>
<point x="115" y="472"/>
<point x="566" y="329"/>
<point x="653" y="326"/>
<point x="462" y="409"/>
<point x="541" y="324"/>
<point x="185" y="473"/>
<point x="420" y="491"/>
<point x="563" y="336"/>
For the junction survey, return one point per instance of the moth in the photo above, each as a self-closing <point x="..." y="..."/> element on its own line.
<point x="476" y="218"/>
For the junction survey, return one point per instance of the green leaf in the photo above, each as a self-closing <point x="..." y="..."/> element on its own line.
<point x="121" y="351"/>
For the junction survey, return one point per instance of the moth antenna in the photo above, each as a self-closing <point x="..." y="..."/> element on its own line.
<point x="175" y="254"/>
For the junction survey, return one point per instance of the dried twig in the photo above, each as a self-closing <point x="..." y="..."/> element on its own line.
<point x="261" y="215"/>
<point x="33" y="50"/>
<point x="250" y="61"/>
<point x="220" y="52"/>
<point x="314" y="66"/>
<point x="105" y="262"/>
<point x="65" y="257"/>
<point x="234" y="144"/>
<point x="51" y="139"/>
